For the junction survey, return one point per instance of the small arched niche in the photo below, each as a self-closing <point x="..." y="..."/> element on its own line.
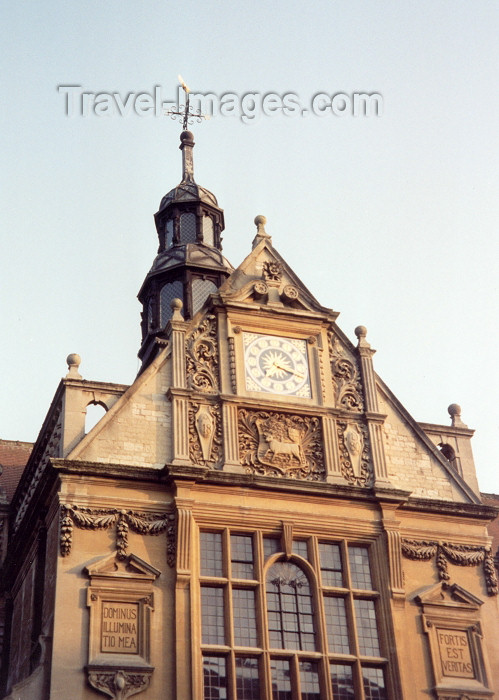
<point x="447" y="451"/>
<point x="94" y="412"/>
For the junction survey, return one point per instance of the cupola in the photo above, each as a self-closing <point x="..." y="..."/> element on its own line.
<point x="189" y="264"/>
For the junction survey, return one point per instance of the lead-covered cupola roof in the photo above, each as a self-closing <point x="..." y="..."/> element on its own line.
<point x="187" y="190"/>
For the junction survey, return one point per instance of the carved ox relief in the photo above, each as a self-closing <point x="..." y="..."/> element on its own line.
<point x="278" y="444"/>
<point x="354" y="453"/>
<point x="205" y="434"/>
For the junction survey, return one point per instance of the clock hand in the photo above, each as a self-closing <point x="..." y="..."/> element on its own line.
<point x="291" y="371"/>
<point x="271" y="370"/>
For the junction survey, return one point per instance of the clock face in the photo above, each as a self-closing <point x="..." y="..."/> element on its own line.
<point x="276" y="365"/>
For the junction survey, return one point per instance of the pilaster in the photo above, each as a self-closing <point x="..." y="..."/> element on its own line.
<point x="231" y="446"/>
<point x="331" y="451"/>
<point x="175" y="330"/>
<point x="183" y="593"/>
<point x="374" y="418"/>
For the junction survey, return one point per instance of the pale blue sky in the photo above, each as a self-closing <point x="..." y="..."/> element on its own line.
<point x="391" y="221"/>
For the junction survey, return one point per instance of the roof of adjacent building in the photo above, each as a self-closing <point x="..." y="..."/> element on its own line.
<point x="14" y="455"/>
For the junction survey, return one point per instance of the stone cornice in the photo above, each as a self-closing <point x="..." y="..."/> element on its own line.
<point x="452" y="508"/>
<point x="447" y="429"/>
<point x="105" y="470"/>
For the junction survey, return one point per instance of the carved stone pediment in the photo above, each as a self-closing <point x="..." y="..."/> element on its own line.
<point x="442" y="594"/>
<point x="131" y="567"/>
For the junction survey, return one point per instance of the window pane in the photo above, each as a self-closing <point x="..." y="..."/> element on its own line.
<point x="309" y="680"/>
<point x="215" y="678"/>
<point x="281" y="679"/>
<point x="188" y="228"/>
<point x="359" y="568"/>
<point x="247" y="680"/>
<point x="300" y="548"/>
<point x="271" y="546"/>
<point x="365" y="615"/>
<point x="337" y="627"/>
<point x="331" y="568"/>
<point x="211" y="554"/>
<point x="374" y="683"/>
<point x="212" y="617"/>
<point x="242" y="556"/>
<point x="342" y="680"/>
<point x="289" y="607"/>
<point x="168" y="293"/>
<point x="244" y="617"/>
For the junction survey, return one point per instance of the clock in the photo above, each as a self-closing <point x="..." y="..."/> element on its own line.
<point x="276" y="365"/>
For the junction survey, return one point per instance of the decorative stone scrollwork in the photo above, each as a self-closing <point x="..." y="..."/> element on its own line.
<point x="205" y="434"/>
<point x="460" y="554"/>
<point x="353" y="444"/>
<point x="272" y="271"/>
<point x="119" y="684"/>
<point x="86" y="518"/>
<point x="346" y="376"/>
<point x="232" y="363"/>
<point x="278" y="444"/>
<point x="171" y="541"/>
<point x="290" y="293"/>
<point x="202" y="357"/>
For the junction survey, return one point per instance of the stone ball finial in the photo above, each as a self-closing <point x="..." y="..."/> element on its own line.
<point x="455" y="413"/>
<point x="73" y="361"/>
<point x="361" y="332"/>
<point x="260" y="220"/>
<point x="176" y="306"/>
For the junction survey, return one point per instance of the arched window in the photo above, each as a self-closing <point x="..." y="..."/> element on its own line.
<point x="169" y="292"/>
<point x="289" y="608"/>
<point x="447" y="451"/>
<point x="187" y="228"/>
<point x="94" y="413"/>
<point x="261" y="632"/>
<point x="200" y="291"/>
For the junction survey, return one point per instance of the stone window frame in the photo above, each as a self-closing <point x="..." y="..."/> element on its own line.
<point x="311" y="566"/>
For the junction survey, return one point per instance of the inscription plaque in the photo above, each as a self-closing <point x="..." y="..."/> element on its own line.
<point x="455" y="653"/>
<point x="119" y="627"/>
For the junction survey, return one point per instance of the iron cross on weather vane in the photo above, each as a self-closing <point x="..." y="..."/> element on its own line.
<point x="184" y="113"/>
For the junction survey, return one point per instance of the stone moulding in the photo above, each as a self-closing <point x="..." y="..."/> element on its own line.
<point x="48" y="447"/>
<point x="460" y="554"/>
<point x="119" y="684"/>
<point x="122" y="520"/>
<point x="201" y="352"/>
<point x="280" y="444"/>
<point x="346" y="376"/>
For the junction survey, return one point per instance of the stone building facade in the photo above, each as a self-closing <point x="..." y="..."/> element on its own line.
<point x="255" y="517"/>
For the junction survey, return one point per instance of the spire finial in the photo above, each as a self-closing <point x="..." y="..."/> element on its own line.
<point x="261" y="233"/>
<point x="184" y="112"/>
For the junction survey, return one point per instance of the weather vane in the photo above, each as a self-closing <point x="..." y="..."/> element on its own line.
<point x="184" y="112"/>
